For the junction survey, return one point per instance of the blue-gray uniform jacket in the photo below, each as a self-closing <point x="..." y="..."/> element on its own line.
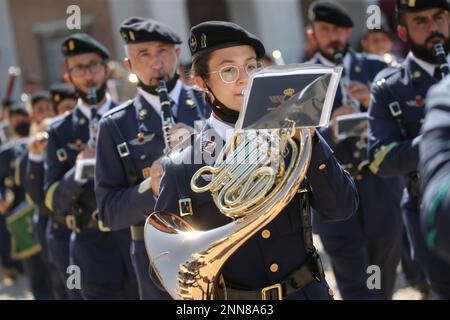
<point x="120" y="202"/>
<point x="379" y="198"/>
<point x="396" y="115"/>
<point x="64" y="195"/>
<point x="332" y="193"/>
<point x="435" y="169"/>
<point x="34" y="184"/>
<point x="10" y="154"/>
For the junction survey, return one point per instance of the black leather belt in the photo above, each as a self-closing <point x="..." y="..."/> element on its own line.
<point x="310" y="271"/>
<point x="59" y="219"/>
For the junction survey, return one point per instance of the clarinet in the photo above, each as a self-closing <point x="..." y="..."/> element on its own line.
<point x="442" y="59"/>
<point x="166" y="114"/>
<point x="93" y="123"/>
<point x="345" y="81"/>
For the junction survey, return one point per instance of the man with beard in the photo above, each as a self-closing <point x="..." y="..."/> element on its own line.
<point x="396" y="115"/>
<point x="365" y="239"/>
<point x="130" y="139"/>
<point x="103" y="257"/>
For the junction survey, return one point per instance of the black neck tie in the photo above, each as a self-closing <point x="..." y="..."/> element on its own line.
<point x="437" y="74"/>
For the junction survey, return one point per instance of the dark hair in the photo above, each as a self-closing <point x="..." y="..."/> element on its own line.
<point x="401" y="19"/>
<point x="200" y="64"/>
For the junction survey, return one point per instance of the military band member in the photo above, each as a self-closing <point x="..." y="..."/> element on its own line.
<point x="224" y="55"/>
<point x="130" y="140"/>
<point x="396" y="115"/>
<point x="364" y="239"/>
<point x="12" y="192"/>
<point x="41" y="109"/>
<point x="435" y="170"/>
<point x="102" y="256"/>
<point x="64" y="97"/>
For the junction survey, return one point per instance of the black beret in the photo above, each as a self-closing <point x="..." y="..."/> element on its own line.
<point x="61" y="91"/>
<point x="39" y="95"/>
<point x="18" y="108"/>
<point x="331" y="12"/>
<point x="213" y="35"/>
<point x="404" y="6"/>
<point x="136" y="30"/>
<point x="382" y="30"/>
<point x="79" y="43"/>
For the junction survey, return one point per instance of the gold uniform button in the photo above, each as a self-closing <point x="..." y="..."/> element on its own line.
<point x="55" y="226"/>
<point x="330" y="292"/>
<point x="265" y="234"/>
<point x="274" y="267"/>
<point x="322" y="166"/>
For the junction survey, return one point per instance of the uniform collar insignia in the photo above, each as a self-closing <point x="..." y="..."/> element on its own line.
<point x="209" y="146"/>
<point x="78" y="145"/>
<point x="138" y="142"/>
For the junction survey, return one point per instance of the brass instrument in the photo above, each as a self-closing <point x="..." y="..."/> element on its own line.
<point x="442" y="59"/>
<point x="251" y="183"/>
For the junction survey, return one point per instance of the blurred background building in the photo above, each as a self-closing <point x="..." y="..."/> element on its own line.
<point x="32" y="30"/>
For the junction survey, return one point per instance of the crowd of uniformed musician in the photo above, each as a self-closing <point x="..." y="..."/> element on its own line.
<point x="382" y="199"/>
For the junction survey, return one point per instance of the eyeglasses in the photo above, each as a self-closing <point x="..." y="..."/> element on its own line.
<point x="94" y="67"/>
<point x="229" y="74"/>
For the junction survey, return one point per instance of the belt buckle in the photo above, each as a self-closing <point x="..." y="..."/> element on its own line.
<point x="70" y="222"/>
<point x="274" y="292"/>
<point x="61" y="154"/>
<point x="123" y="150"/>
<point x="395" y="109"/>
<point x="185" y="205"/>
<point x="101" y="226"/>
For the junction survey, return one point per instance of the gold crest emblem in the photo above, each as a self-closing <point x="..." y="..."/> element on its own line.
<point x="56" y="98"/>
<point x="203" y="41"/>
<point x="71" y="45"/>
<point x="289" y="92"/>
<point x="132" y="37"/>
<point x="193" y="43"/>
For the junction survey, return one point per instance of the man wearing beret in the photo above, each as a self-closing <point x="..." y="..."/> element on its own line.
<point x="365" y="239"/>
<point x="130" y="139"/>
<point x="101" y="255"/>
<point x="396" y="114"/>
<point x="41" y="108"/>
<point x="64" y="97"/>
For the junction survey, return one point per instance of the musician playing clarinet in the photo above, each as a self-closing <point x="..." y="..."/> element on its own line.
<point x="365" y="239"/>
<point x="133" y="137"/>
<point x="396" y="115"/>
<point x="105" y="269"/>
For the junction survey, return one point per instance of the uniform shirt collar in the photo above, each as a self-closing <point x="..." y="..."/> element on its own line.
<point x="223" y="129"/>
<point x="153" y="100"/>
<point x="428" y="67"/>
<point x="86" y="109"/>
<point x="329" y="63"/>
